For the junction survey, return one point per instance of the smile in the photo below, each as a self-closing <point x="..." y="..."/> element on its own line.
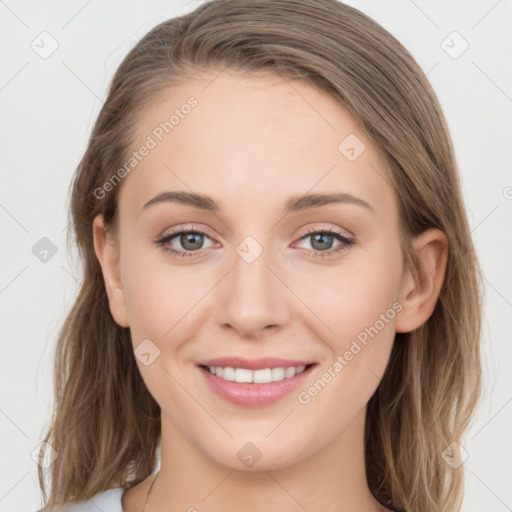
<point x="263" y="376"/>
<point x="254" y="387"/>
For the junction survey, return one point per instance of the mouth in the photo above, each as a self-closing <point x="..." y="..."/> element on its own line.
<point x="259" y="376"/>
<point x="254" y="383"/>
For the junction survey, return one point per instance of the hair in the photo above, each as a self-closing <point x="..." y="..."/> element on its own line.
<point x="105" y="425"/>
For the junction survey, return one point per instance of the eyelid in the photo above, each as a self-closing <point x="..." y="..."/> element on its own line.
<point x="328" y="227"/>
<point x="306" y="232"/>
<point x="185" y="229"/>
<point x="345" y="241"/>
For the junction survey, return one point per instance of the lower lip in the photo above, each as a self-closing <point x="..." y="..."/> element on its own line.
<point x="254" y="395"/>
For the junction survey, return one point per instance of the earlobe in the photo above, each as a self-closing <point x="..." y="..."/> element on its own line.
<point x="107" y="255"/>
<point x="422" y="283"/>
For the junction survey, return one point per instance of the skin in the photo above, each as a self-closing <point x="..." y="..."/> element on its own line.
<point x="252" y="142"/>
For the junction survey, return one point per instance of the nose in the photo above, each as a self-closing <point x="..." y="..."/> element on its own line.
<point x="253" y="298"/>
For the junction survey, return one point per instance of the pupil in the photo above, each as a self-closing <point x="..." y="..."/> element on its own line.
<point x="323" y="243"/>
<point x="191" y="241"/>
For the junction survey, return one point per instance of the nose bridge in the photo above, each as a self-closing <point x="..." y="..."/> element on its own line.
<point x="253" y="297"/>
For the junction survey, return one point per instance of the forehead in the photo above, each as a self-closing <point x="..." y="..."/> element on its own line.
<point x="252" y="139"/>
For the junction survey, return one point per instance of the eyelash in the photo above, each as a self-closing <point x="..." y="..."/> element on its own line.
<point x="164" y="241"/>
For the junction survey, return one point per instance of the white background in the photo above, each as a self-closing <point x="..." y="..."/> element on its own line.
<point x="48" y="108"/>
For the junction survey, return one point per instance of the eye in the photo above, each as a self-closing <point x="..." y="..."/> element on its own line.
<point x="191" y="241"/>
<point x="323" y="239"/>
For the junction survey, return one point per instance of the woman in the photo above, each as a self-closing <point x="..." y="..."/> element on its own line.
<point x="280" y="307"/>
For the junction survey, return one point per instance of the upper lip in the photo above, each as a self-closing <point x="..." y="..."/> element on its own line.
<point x="253" y="364"/>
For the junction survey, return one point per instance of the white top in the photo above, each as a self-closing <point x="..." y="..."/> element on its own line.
<point x="108" y="501"/>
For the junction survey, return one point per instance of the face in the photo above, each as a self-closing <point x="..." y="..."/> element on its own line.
<point x="264" y="274"/>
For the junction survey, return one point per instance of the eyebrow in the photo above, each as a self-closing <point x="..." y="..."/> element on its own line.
<point x="294" y="204"/>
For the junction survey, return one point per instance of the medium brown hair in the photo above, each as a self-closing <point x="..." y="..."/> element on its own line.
<point x="106" y="425"/>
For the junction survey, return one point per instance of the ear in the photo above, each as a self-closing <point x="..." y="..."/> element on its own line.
<point x="421" y="284"/>
<point x="107" y="254"/>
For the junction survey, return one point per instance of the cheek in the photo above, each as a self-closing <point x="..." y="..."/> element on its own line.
<point x="355" y="296"/>
<point x="159" y="292"/>
<point x="368" y="305"/>
<point x="359" y="305"/>
<point x="160" y="299"/>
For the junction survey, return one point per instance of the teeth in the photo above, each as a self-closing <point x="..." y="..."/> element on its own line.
<point x="277" y="374"/>
<point x="289" y="372"/>
<point x="263" y="376"/>
<point x="243" y="375"/>
<point x="228" y="373"/>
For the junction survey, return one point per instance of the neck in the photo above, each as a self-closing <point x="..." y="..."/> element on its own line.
<point x="331" y="479"/>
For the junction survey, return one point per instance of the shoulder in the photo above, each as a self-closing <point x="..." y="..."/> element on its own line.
<point x="108" y="501"/>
